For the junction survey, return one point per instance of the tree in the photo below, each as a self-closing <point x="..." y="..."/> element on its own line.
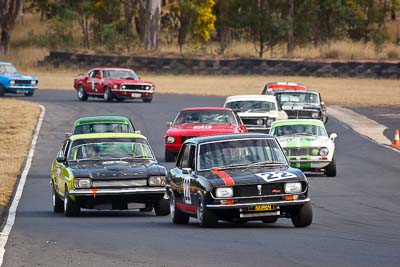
<point x="9" y="11"/>
<point x="150" y="23"/>
<point x="195" y="17"/>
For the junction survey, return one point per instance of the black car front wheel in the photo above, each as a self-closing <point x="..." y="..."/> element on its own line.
<point x="147" y="99"/>
<point x="302" y="217"/>
<point x="177" y="216"/>
<point x="205" y="216"/>
<point x="2" y="90"/>
<point x="71" y="208"/>
<point x="58" y="205"/>
<point x="161" y="207"/>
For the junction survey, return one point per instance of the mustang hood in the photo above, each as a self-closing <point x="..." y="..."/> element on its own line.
<point x="299" y="106"/>
<point x="197" y="129"/>
<point x="252" y="114"/>
<point x="259" y="175"/>
<point x="116" y="169"/>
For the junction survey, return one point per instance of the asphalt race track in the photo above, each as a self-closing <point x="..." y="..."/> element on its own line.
<point x="356" y="214"/>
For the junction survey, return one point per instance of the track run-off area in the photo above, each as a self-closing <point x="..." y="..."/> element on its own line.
<point x="356" y="214"/>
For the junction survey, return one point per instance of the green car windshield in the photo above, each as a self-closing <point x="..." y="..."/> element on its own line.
<point x="299" y="130"/>
<point x="86" y="149"/>
<point x="237" y="153"/>
<point x="104" y="127"/>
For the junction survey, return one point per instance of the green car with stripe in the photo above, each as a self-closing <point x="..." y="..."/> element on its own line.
<point x="115" y="171"/>
<point x="102" y="124"/>
<point x="307" y="144"/>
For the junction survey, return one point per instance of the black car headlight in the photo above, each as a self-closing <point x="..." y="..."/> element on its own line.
<point x="82" y="183"/>
<point x="270" y="121"/>
<point x="291" y="188"/>
<point x="222" y="192"/>
<point x="315" y="115"/>
<point x="157" y="180"/>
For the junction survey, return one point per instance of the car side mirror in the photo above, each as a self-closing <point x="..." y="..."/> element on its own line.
<point x="333" y="136"/>
<point x="61" y="159"/>
<point x="169" y="124"/>
<point x="67" y="135"/>
<point x="186" y="171"/>
<point x="322" y="103"/>
<point x="138" y="132"/>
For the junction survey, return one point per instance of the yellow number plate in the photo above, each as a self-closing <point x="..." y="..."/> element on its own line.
<point x="261" y="208"/>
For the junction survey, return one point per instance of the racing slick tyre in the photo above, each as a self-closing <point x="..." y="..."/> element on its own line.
<point x="71" y="208"/>
<point x="108" y="95"/>
<point x="169" y="156"/>
<point x="82" y="96"/>
<point x="2" y="90"/>
<point x="272" y="219"/>
<point x="147" y="99"/>
<point x="161" y="207"/>
<point x="177" y="216"/>
<point x="30" y="93"/>
<point x="303" y="216"/>
<point x="205" y="216"/>
<point x="58" y="205"/>
<point x="330" y="170"/>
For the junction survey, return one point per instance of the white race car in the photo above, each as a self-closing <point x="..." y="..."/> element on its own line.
<point x="257" y="112"/>
<point x="307" y="144"/>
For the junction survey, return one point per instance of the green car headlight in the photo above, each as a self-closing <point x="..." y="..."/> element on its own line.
<point x="82" y="183"/>
<point x="157" y="180"/>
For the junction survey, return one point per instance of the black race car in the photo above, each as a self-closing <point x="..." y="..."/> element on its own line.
<point x="302" y="104"/>
<point x="236" y="178"/>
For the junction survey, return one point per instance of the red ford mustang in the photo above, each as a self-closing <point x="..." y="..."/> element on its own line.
<point x="200" y="121"/>
<point x="113" y="83"/>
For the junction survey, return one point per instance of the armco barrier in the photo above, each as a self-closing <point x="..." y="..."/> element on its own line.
<point x="227" y="66"/>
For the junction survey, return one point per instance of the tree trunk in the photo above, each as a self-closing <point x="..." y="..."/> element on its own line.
<point x="152" y="24"/>
<point x="129" y="9"/>
<point x="290" y="46"/>
<point x="9" y="11"/>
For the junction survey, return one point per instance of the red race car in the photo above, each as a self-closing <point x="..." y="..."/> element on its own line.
<point x="200" y="121"/>
<point x="113" y="83"/>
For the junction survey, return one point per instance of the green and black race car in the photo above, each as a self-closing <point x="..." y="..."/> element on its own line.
<point x="102" y="124"/>
<point x="108" y="171"/>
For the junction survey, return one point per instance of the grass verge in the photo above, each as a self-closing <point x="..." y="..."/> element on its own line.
<point x="17" y="123"/>
<point x="334" y="91"/>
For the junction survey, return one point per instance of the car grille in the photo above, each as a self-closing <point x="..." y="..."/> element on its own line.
<point x="252" y="122"/>
<point x="252" y="190"/>
<point x="119" y="183"/>
<point x="184" y="138"/>
<point x="299" y="114"/>
<point x="23" y="82"/>
<point x="299" y="151"/>
<point x="137" y="87"/>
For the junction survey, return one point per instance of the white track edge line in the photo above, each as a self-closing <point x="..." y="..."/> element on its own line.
<point x="18" y="193"/>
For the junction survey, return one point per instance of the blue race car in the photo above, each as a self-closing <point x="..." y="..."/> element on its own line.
<point x="13" y="82"/>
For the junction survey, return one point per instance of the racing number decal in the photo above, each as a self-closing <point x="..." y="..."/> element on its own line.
<point x="186" y="191"/>
<point x="93" y="87"/>
<point x="273" y="176"/>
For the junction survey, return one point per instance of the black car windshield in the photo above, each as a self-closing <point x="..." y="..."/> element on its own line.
<point x="102" y="128"/>
<point x="120" y="74"/>
<point x="299" y="130"/>
<point x="237" y="153"/>
<point x="205" y="117"/>
<point x="297" y="97"/>
<point x="251" y="105"/>
<point x="7" y="69"/>
<point x="111" y="148"/>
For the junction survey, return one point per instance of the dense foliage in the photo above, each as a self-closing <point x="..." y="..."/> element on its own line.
<point x="121" y="24"/>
